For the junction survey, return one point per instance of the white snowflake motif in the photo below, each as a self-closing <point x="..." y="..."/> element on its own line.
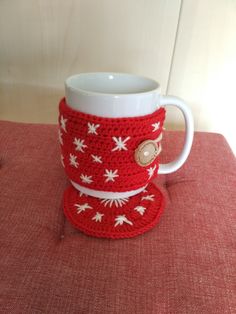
<point x="120" y="144"/>
<point x="62" y="161"/>
<point x="155" y="126"/>
<point x="110" y="175"/>
<point x="120" y="219"/>
<point x="79" y="144"/>
<point x="73" y="161"/>
<point x="86" y="179"/>
<point x="98" y="217"/>
<point x="92" y="128"/>
<point x="82" y="208"/>
<point x="119" y="202"/>
<point x="148" y="198"/>
<point x="140" y="209"/>
<point x="151" y="171"/>
<point x="60" y="137"/>
<point x="97" y="158"/>
<point x="63" y="123"/>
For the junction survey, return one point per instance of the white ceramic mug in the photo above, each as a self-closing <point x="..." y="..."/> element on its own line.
<point x="126" y="95"/>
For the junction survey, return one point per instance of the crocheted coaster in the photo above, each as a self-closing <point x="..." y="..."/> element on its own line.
<point x="116" y="219"/>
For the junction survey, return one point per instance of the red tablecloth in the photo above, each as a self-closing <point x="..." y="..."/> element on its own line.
<point x="186" y="264"/>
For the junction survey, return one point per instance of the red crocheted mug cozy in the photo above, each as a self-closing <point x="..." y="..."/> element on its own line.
<point x="101" y="154"/>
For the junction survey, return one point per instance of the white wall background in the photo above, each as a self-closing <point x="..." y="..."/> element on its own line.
<point x="189" y="46"/>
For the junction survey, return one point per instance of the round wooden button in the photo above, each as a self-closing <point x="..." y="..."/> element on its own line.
<point x="146" y="152"/>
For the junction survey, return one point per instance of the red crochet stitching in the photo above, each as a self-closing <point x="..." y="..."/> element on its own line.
<point x="141" y="213"/>
<point x="98" y="153"/>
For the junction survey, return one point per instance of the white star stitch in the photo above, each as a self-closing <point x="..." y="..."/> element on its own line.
<point x="155" y="126"/>
<point x="79" y="144"/>
<point x="63" y="123"/>
<point x="110" y="175"/>
<point x="97" y="158"/>
<point x="86" y="179"/>
<point x="140" y="209"/>
<point x="119" y="202"/>
<point x="120" y="219"/>
<point x="120" y="144"/>
<point x="73" y="161"/>
<point x="62" y="161"/>
<point x="98" y="217"/>
<point x="92" y="128"/>
<point x="60" y="137"/>
<point x="82" y="208"/>
<point x="151" y="171"/>
<point x="148" y="198"/>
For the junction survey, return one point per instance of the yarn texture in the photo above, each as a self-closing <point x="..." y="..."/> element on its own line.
<point x="98" y="153"/>
<point x="101" y="154"/>
<point x="103" y="218"/>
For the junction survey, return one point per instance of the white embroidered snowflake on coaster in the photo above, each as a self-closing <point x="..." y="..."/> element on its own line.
<point x="114" y="218"/>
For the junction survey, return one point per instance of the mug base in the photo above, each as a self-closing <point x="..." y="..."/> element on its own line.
<point x="105" y="194"/>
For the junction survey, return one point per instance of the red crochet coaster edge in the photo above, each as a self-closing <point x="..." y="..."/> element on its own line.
<point x="114" y="236"/>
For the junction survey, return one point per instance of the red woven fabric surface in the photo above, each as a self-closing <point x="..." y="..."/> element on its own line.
<point x="186" y="264"/>
<point x="99" y="152"/>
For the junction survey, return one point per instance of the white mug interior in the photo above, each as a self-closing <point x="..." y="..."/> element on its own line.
<point x="109" y="94"/>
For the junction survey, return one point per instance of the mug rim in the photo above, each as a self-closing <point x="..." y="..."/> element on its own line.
<point x="111" y="94"/>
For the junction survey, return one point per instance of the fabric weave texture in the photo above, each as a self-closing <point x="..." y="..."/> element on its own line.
<point x="185" y="265"/>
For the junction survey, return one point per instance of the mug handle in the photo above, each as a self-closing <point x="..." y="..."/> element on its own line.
<point x="189" y="130"/>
